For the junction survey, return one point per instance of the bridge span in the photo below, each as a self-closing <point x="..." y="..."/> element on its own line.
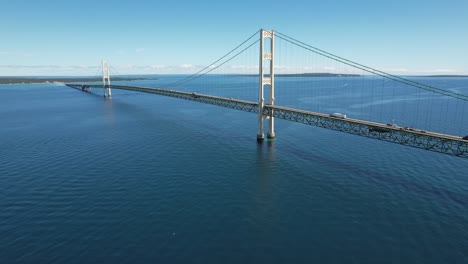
<point x="417" y="138"/>
<point x="420" y="97"/>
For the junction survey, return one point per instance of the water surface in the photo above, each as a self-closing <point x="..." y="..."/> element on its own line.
<point x="144" y="178"/>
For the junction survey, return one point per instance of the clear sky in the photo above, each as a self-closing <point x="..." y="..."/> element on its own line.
<point x="71" y="37"/>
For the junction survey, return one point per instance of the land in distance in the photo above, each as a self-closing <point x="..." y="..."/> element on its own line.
<point x="25" y="79"/>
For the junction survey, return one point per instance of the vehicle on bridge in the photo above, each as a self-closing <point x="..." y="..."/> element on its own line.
<point x="338" y="115"/>
<point x="379" y="129"/>
<point x="465" y="137"/>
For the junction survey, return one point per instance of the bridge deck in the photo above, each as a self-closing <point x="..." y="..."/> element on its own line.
<point x="437" y="142"/>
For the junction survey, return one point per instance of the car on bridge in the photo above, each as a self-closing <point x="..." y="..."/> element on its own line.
<point x="338" y="115"/>
<point x="465" y="137"/>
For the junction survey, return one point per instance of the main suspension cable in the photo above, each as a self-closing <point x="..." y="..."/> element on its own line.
<point x="369" y="69"/>
<point x="199" y="73"/>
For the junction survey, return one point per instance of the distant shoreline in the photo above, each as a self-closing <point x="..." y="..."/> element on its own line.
<point x="322" y="74"/>
<point x="45" y="79"/>
<point x="445" y="76"/>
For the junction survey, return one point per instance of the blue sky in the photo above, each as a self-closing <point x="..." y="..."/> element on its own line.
<point x="71" y="37"/>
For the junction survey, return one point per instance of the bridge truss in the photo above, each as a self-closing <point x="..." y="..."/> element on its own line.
<point x="267" y="110"/>
<point x="446" y="144"/>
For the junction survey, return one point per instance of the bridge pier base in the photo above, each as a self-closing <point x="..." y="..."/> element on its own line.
<point x="260" y="137"/>
<point x="271" y="135"/>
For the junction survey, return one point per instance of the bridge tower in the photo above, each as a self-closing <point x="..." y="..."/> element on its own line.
<point x="266" y="80"/>
<point x="106" y="77"/>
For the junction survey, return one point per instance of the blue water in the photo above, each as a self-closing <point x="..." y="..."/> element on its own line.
<point x="149" y="179"/>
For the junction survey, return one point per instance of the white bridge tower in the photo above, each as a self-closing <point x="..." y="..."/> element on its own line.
<point x="106" y="84"/>
<point x="268" y="80"/>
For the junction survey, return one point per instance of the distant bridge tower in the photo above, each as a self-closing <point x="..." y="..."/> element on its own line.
<point x="266" y="80"/>
<point x="106" y="77"/>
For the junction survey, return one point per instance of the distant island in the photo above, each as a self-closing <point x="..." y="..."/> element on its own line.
<point x="316" y="74"/>
<point x="443" y="76"/>
<point x="324" y="74"/>
<point x="19" y="79"/>
<point x="311" y="74"/>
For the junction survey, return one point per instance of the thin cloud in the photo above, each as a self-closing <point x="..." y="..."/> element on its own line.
<point x="139" y="50"/>
<point x="73" y="70"/>
<point x="49" y="66"/>
<point x="45" y="70"/>
<point x="157" y="66"/>
<point x="186" y="66"/>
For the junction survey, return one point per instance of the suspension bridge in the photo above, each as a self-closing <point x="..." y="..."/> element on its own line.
<point x="320" y="89"/>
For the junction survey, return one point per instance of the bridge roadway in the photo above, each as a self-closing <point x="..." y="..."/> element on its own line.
<point x="447" y="144"/>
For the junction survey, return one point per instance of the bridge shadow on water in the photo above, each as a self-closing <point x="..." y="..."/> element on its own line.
<point x="373" y="176"/>
<point x="264" y="192"/>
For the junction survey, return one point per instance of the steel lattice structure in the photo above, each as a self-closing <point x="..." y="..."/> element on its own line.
<point x="436" y="142"/>
<point x="442" y="143"/>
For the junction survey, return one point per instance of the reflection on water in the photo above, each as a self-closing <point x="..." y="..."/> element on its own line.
<point x="109" y="111"/>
